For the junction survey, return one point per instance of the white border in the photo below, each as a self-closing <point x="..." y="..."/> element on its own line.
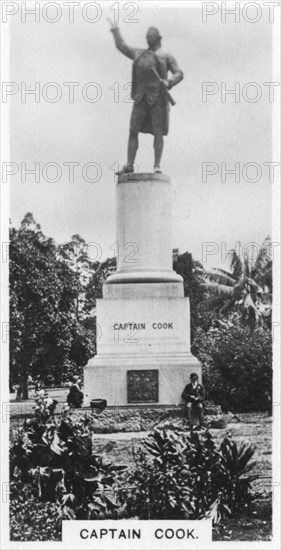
<point x="275" y="543"/>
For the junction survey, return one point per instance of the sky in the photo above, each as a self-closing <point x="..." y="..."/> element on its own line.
<point x="211" y="131"/>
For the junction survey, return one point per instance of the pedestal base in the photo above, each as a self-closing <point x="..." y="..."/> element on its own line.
<point x="143" y="350"/>
<point x="118" y="379"/>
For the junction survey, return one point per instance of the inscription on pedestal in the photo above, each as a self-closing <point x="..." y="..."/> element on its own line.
<point x="142" y="386"/>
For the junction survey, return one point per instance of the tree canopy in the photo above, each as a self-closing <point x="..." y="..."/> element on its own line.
<point x="47" y="333"/>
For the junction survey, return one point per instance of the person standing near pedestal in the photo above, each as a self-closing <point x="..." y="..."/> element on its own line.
<point x="150" y="85"/>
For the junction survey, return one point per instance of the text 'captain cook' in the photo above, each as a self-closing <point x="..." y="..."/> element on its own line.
<point x="150" y="85"/>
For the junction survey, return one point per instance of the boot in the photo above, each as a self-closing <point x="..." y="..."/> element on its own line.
<point x="127" y="169"/>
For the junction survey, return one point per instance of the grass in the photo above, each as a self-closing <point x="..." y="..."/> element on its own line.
<point x="255" y="524"/>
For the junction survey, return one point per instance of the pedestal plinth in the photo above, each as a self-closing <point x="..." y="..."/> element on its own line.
<point x="143" y="230"/>
<point x="143" y="321"/>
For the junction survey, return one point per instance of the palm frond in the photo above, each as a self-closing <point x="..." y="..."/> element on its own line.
<point x="248" y="302"/>
<point x="223" y="272"/>
<point x="220" y="276"/>
<point x="264" y="275"/>
<point x="218" y="289"/>
<point x="252" y="284"/>
<point x="266" y="278"/>
<point x="227" y="307"/>
<point x="247" y="264"/>
<point x="236" y="264"/>
<point x="264" y="256"/>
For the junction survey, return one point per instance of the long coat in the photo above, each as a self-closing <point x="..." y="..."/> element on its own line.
<point x="189" y="393"/>
<point x="75" y="396"/>
<point x="148" y="86"/>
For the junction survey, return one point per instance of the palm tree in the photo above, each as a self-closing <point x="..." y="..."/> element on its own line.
<point x="247" y="286"/>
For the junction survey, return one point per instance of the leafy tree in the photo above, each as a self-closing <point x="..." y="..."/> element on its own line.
<point x="191" y="272"/>
<point x="44" y="328"/>
<point x="75" y="254"/>
<point x="100" y="272"/>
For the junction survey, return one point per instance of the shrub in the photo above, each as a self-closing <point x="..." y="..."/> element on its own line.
<point x="237" y="365"/>
<point x="184" y="476"/>
<point x="56" y="456"/>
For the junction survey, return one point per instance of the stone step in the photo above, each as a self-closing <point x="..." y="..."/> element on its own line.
<point x="178" y="410"/>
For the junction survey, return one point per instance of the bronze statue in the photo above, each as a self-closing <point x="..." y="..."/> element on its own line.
<point x="150" y="85"/>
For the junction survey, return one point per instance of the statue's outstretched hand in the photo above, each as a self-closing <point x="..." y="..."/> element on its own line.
<point x="112" y="24"/>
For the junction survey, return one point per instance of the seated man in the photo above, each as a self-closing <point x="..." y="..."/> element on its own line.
<point x="194" y="395"/>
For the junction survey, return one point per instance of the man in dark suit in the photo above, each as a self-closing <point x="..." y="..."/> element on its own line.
<point x="75" y="395"/>
<point x="194" y="395"/>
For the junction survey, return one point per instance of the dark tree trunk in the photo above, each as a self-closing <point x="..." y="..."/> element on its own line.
<point x="57" y="378"/>
<point x="24" y="387"/>
<point x="23" y="377"/>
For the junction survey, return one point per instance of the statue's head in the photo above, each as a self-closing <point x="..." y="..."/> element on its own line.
<point x="153" y="37"/>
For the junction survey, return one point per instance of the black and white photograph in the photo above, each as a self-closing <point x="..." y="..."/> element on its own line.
<point x="140" y="263"/>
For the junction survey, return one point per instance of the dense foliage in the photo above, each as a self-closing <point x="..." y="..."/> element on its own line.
<point x="247" y="286"/>
<point x="52" y="333"/>
<point x="31" y="519"/>
<point x="57" y="459"/>
<point x="237" y="364"/>
<point x="231" y="327"/>
<point x="184" y="476"/>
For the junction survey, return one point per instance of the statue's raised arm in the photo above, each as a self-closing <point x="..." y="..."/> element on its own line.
<point x="120" y="42"/>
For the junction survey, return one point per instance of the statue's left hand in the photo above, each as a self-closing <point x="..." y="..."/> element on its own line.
<point x="164" y="84"/>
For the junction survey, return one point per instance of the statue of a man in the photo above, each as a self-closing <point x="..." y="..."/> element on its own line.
<point x="150" y="83"/>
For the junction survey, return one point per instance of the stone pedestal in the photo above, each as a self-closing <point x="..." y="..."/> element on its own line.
<point x="143" y="321"/>
<point x="144" y="211"/>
